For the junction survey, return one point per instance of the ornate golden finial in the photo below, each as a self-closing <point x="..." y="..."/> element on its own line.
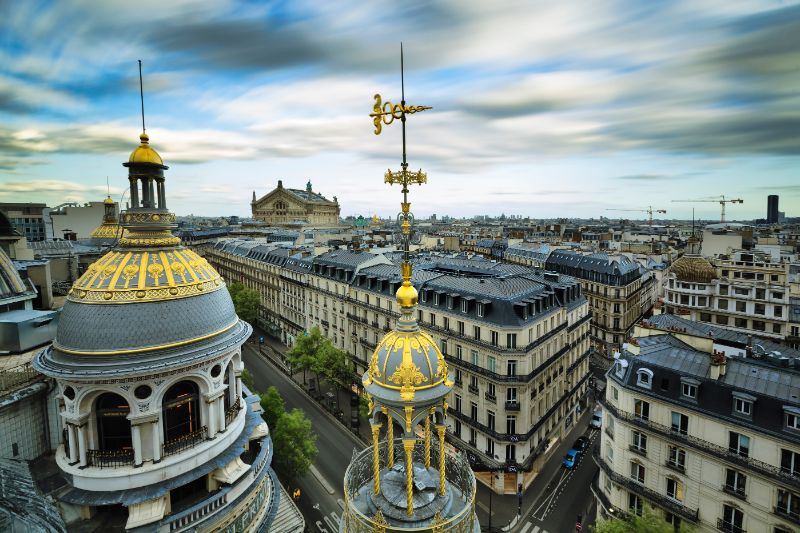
<point x="386" y="112"/>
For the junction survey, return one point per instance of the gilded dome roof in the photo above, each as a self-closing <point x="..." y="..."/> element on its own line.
<point x="107" y="231"/>
<point x="144" y="154"/>
<point x="693" y="268"/>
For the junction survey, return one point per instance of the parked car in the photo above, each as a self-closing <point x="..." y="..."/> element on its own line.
<point x="580" y="444"/>
<point x="597" y="419"/>
<point x="570" y="458"/>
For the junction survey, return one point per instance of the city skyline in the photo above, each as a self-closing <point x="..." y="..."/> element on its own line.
<point x="539" y="110"/>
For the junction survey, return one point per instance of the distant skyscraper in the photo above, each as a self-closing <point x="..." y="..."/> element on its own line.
<point x="772" y="209"/>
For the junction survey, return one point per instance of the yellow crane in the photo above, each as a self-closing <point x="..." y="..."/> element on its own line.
<point x="721" y="200"/>
<point x="649" y="212"/>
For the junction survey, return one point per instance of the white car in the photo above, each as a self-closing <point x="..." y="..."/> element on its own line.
<point x="597" y="419"/>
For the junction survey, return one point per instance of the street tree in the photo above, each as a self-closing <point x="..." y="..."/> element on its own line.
<point x="245" y="301"/>
<point x="295" y="445"/>
<point x="273" y="405"/>
<point x="247" y="379"/>
<point x="648" y="522"/>
<point x="305" y="353"/>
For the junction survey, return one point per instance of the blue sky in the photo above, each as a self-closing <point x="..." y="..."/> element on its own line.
<point x="540" y="108"/>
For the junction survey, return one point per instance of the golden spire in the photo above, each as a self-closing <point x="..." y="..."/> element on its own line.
<point x="386" y="113"/>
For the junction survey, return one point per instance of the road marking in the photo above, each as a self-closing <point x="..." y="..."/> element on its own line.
<point x="322" y="529"/>
<point x="322" y="481"/>
<point x="340" y="502"/>
<point x="485" y="508"/>
<point x="336" y="518"/>
<point x="331" y="524"/>
<point x="527" y="526"/>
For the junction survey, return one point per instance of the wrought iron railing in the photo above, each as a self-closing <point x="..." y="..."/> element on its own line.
<point x="669" y="504"/>
<point x="512" y="406"/>
<point x="731" y="456"/>
<point x="109" y="458"/>
<point x="675" y="466"/>
<point x="232" y="411"/>
<point x="14" y="377"/>
<point x="734" y="491"/>
<point x="722" y="525"/>
<point x="184" y="442"/>
<point x="785" y="512"/>
<point x="460" y="480"/>
<point x="490" y="397"/>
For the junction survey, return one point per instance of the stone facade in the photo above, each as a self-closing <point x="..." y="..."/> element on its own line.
<point x="295" y="207"/>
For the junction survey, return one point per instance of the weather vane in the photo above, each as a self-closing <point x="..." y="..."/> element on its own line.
<point x="386" y="113"/>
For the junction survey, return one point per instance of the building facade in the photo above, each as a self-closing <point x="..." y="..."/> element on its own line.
<point x="620" y="291"/>
<point x="295" y="207"/>
<point x="745" y="291"/>
<point x="31" y="220"/>
<point x="517" y="339"/>
<point x="702" y="437"/>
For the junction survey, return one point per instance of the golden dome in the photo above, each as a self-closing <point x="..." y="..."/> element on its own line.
<point x="141" y="276"/>
<point x="694" y="269"/>
<point x="107" y="231"/>
<point x="144" y="154"/>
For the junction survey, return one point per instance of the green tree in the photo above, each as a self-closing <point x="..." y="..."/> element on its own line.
<point x="649" y="522"/>
<point x="245" y="301"/>
<point x="247" y="379"/>
<point x="363" y="407"/>
<point x="336" y="365"/>
<point x="273" y="406"/>
<point x="295" y="445"/>
<point x="305" y="353"/>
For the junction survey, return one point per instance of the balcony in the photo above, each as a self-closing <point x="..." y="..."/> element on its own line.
<point x="473" y="389"/>
<point x="512" y="406"/>
<point x="673" y="506"/>
<point x="734" y="491"/>
<point x="638" y="450"/>
<point x="232" y="411"/>
<point x="675" y="466"/>
<point x="788" y="514"/>
<point x="109" y="459"/>
<point x="609" y="432"/>
<point x="459" y="383"/>
<point x="722" y="452"/>
<point x="184" y="442"/>
<point x="490" y="397"/>
<point x="722" y="525"/>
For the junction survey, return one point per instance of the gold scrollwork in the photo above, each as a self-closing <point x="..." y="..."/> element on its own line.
<point x="405" y="178"/>
<point x="387" y="112"/>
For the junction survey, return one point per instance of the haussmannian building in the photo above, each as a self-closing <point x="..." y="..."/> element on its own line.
<point x="295" y="207"/>
<point x="706" y="438"/>
<point x="517" y="338"/>
<point x="620" y="291"/>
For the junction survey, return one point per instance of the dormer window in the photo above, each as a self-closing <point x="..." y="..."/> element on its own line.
<point x="689" y="388"/>
<point x="436" y="298"/>
<point x="743" y="404"/>
<point x="791" y="417"/>
<point x="424" y="296"/>
<point x="464" y="306"/>
<point x="480" y="309"/>
<point x="644" y="378"/>
<point x="619" y="368"/>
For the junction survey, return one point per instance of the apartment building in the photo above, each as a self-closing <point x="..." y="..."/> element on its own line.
<point x="705" y="438"/>
<point x="620" y="291"/>
<point x="517" y="338"/>
<point x="745" y="291"/>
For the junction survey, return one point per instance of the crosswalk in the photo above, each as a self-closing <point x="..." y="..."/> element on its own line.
<point x="332" y="522"/>
<point x="536" y="529"/>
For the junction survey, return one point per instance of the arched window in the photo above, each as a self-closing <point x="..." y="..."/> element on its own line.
<point x="113" y="426"/>
<point x="181" y="410"/>
<point x="229" y="392"/>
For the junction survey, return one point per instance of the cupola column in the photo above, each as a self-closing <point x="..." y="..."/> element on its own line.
<point x="428" y="438"/>
<point x="82" y="442"/>
<point x="221" y="412"/>
<point x="152" y="196"/>
<point x="136" y="440"/>
<point x="440" y="428"/>
<point x="389" y="436"/>
<point x="155" y="431"/>
<point x="408" y="444"/>
<point x="209" y="418"/>
<point x="73" y="444"/>
<point x="134" y="192"/>
<point x="376" y="459"/>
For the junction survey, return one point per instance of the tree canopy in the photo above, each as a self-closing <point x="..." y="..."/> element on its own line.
<point x="648" y="522"/>
<point x="295" y="445"/>
<point x="245" y="301"/>
<point x="273" y="405"/>
<point x="312" y="351"/>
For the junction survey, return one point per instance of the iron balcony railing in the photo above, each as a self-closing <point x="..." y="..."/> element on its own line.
<point x="490" y="397"/>
<point x="232" y="411"/>
<point x="784" y="512"/>
<point x="734" y="491"/>
<point x="473" y="389"/>
<point x="109" y="458"/>
<point x="675" y="466"/>
<point x="184" y="442"/>
<point x="730" y="456"/>
<point x="722" y="525"/>
<point x="512" y="406"/>
<point x="666" y="503"/>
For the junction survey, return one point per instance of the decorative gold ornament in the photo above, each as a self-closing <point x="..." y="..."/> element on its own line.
<point x="407" y="375"/>
<point x="405" y="178"/>
<point x="379" y="522"/>
<point x="387" y="112"/>
<point x="438" y="523"/>
<point x="408" y="444"/>
<point x="440" y="429"/>
<point x="428" y="441"/>
<point x="409" y="413"/>
<point x="376" y="460"/>
<point x="389" y="436"/>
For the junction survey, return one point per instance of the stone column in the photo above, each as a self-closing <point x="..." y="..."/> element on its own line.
<point x="156" y="433"/>
<point x="376" y="460"/>
<point x="221" y="412"/>
<point x="151" y="192"/>
<point x="440" y="429"/>
<point x="209" y="417"/>
<point x="408" y="444"/>
<point x="136" y="440"/>
<point x="82" y="443"/>
<point x="134" y="192"/>
<point x="73" y="444"/>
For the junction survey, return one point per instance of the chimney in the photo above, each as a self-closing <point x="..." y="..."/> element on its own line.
<point x="280" y="184"/>
<point x="719" y="364"/>
<point x="748" y="350"/>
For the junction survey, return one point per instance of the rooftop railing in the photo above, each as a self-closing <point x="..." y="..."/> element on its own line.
<point x="184" y="442"/>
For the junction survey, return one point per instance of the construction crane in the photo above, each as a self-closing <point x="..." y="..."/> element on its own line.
<point x="721" y="200"/>
<point x="649" y="212"/>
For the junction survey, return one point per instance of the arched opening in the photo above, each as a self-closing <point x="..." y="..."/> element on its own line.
<point x="181" y="410"/>
<point x="113" y="426"/>
<point x="229" y="391"/>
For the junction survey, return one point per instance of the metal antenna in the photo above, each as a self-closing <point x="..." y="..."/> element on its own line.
<point x="141" y="94"/>
<point x="403" y="105"/>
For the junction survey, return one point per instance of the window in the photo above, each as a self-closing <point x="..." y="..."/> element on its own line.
<point x="444" y="347"/>
<point x="609" y="452"/>
<point x="458" y="351"/>
<point x="490" y="420"/>
<point x="511" y="424"/>
<point x="732" y="518"/>
<point x="722" y="319"/>
<point x="464" y="306"/>
<point x="480" y="310"/>
<point x="446" y="323"/>
<point x="433" y="319"/>
<point x="675" y="489"/>
<point x="458" y="403"/>
<point x="614" y="393"/>
<point x="476" y="332"/>
<point x="490" y="447"/>
<point x="680" y="423"/>
<point x="790" y="462"/>
<point x="741" y="307"/>
<point x="664" y="383"/>
<point x="743" y="404"/>
<point x="639" y="441"/>
<point x="760" y="309"/>
<point x="788" y="504"/>
<point x="511" y="395"/>
<point x="677" y="457"/>
<point x="735" y="482"/>
<point x="511" y="453"/>
<point x="473" y="410"/>
<point x="457" y="429"/>
<point x="739" y="444"/>
<point x="511" y="340"/>
<point x="722" y="304"/>
<point x="740" y="322"/>
<point x="491" y="363"/>
<point x="491" y="390"/>
<point x="641" y="409"/>
<point x="791" y="417"/>
<point x="461" y="328"/>
<point x="634" y="504"/>
<point x="473" y="356"/>
<point x="644" y="378"/>
<point x="689" y="390"/>
<point x="511" y="367"/>
<point x="637" y="471"/>
<point x="495" y="338"/>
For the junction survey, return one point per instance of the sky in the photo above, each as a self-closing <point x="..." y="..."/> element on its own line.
<point x="541" y="109"/>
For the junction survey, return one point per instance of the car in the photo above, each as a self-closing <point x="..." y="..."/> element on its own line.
<point x="597" y="419"/>
<point x="570" y="458"/>
<point x="580" y="444"/>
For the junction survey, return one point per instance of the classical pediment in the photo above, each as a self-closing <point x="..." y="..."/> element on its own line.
<point x="270" y="200"/>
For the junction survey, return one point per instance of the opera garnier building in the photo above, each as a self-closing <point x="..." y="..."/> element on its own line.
<point x="158" y="432"/>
